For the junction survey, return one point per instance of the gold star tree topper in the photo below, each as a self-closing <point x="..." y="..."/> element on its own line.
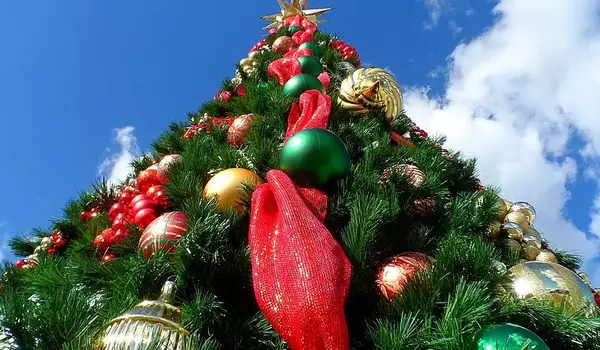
<point x="294" y="8"/>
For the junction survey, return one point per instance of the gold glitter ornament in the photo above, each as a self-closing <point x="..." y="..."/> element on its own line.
<point x="525" y="209"/>
<point x="518" y="218"/>
<point x="536" y="280"/>
<point x="493" y="231"/>
<point x="513" y="230"/>
<point x="503" y="208"/>
<point x="533" y="237"/>
<point x="513" y="247"/>
<point x="547" y="256"/>
<point x="371" y="88"/>
<point x="149" y="322"/>
<point x="530" y="252"/>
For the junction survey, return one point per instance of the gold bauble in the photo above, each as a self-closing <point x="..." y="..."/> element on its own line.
<point x="493" y="231"/>
<point x="533" y="237"/>
<point x="230" y="188"/>
<point x="519" y="219"/>
<point x="148" y="322"/>
<point x="546" y="256"/>
<point x="502" y="208"/>
<point x="513" y="230"/>
<point x="513" y="247"/>
<point x="371" y="88"/>
<point x="526" y="209"/>
<point x="549" y="282"/>
<point x="530" y="251"/>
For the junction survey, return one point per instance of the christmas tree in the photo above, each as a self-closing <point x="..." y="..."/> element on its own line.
<point x="301" y="208"/>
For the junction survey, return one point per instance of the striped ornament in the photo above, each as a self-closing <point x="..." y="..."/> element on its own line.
<point x="414" y="174"/>
<point x="163" y="233"/>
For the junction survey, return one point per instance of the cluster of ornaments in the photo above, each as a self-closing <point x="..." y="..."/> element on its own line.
<point x="140" y="203"/>
<point x="515" y="226"/>
<point x="50" y="245"/>
<point x="346" y="52"/>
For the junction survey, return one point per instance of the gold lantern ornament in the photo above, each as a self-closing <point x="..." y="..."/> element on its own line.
<point x="149" y="322"/>
<point x="546" y="281"/>
<point x="368" y="89"/>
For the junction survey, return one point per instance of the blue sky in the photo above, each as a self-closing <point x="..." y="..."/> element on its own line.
<point x="72" y="73"/>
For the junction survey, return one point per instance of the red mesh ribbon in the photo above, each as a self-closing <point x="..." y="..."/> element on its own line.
<point x="324" y="79"/>
<point x="311" y="111"/>
<point x="297" y="53"/>
<point x="284" y="69"/>
<point x="300" y="21"/>
<point x="302" y="37"/>
<point x="300" y="274"/>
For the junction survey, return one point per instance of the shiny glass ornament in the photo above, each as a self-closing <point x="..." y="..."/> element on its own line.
<point x="301" y="83"/>
<point x="533" y="237"/>
<point x="513" y="230"/>
<point x="310" y="65"/>
<point x="371" y="88"/>
<point x="314" y="157"/>
<point x="507" y="336"/>
<point x="547" y="256"/>
<point x="549" y="282"/>
<point x="163" y="233"/>
<point x="146" y="323"/>
<point x="526" y="209"/>
<point x="229" y="187"/>
<point x="314" y="47"/>
<point x="519" y="219"/>
<point x="398" y="270"/>
<point x="494" y="230"/>
<point x="283" y="44"/>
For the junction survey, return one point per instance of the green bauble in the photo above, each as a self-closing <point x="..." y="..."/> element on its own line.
<point x="508" y="336"/>
<point x="263" y="85"/>
<point x="301" y="83"/>
<point x="310" y="65"/>
<point x="314" y="47"/>
<point x="294" y="29"/>
<point x="313" y="157"/>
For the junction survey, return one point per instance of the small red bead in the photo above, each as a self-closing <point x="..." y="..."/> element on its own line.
<point x="20" y="263"/>
<point x="108" y="257"/>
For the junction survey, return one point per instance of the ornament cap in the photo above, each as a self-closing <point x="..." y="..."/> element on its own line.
<point x="167" y="292"/>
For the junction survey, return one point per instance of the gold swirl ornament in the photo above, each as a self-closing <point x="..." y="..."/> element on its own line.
<point x="371" y="88"/>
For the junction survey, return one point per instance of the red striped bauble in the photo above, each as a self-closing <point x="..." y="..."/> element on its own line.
<point x="415" y="176"/>
<point x="163" y="233"/>
<point x="396" y="273"/>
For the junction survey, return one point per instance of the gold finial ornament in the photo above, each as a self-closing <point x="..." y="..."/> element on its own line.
<point x="148" y="322"/>
<point x="295" y="8"/>
<point x="371" y="88"/>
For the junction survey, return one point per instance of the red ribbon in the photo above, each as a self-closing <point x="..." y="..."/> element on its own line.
<point x="284" y="69"/>
<point x="300" y="274"/>
<point x="311" y="111"/>
<point x="324" y="79"/>
<point x="300" y="21"/>
<point x="302" y="37"/>
<point x="297" y="53"/>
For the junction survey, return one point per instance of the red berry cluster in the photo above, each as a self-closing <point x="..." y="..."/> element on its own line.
<point x="417" y="134"/>
<point x="347" y="52"/>
<point x="91" y="214"/>
<point x="49" y="245"/>
<point x="140" y="203"/>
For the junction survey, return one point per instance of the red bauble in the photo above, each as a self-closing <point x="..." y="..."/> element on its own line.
<point x="117" y="208"/>
<point x="143" y="204"/>
<point x="144" y="217"/>
<point x="102" y="244"/>
<point x="160" y="198"/>
<point x="123" y="216"/>
<point x="51" y="250"/>
<point x="120" y="224"/>
<point x="240" y="90"/>
<point x="222" y="96"/>
<point x="59" y="242"/>
<point x="597" y="298"/>
<point x="397" y="271"/>
<point x="152" y="190"/>
<point x="94" y="215"/>
<point x="163" y="233"/>
<point x="283" y="44"/>
<point x="138" y="198"/>
<point x="120" y="235"/>
<point x="236" y="135"/>
<point x="148" y="178"/>
<point x="20" y="263"/>
<point x="167" y="161"/>
<point x="108" y="257"/>
<point x="126" y="196"/>
<point x="85" y="216"/>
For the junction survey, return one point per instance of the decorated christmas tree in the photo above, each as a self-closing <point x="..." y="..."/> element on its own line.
<point x="301" y="208"/>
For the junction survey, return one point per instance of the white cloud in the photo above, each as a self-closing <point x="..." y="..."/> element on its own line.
<point x="455" y="28"/>
<point x="4" y="237"/>
<point x="515" y="97"/>
<point x="116" y="167"/>
<point x="435" y="12"/>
